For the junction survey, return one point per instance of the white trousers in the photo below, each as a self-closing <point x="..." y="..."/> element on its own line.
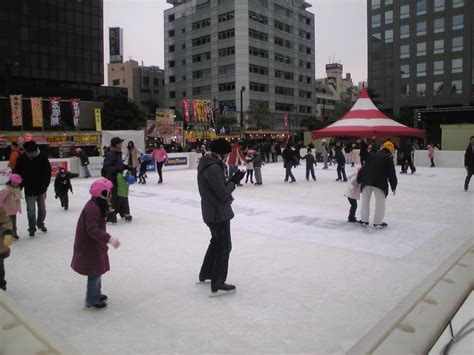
<point x="379" y="204"/>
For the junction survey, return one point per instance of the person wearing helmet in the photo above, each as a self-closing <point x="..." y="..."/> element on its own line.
<point x="374" y="178"/>
<point x="34" y="168"/>
<point x="90" y="256"/>
<point x="10" y="198"/>
<point x="62" y="185"/>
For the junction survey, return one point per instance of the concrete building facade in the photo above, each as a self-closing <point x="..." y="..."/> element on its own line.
<point x="420" y="53"/>
<point x="260" y="50"/>
<point x="145" y="84"/>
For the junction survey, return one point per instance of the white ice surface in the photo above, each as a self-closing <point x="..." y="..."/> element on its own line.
<point x="307" y="280"/>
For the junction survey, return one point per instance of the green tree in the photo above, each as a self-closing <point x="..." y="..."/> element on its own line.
<point x="375" y="97"/>
<point x="121" y="113"/>
<point x="224" y="120"/>
<point x="258" y="116"/>
<point x="311" y="123"/>
<point x="340" y="109"/>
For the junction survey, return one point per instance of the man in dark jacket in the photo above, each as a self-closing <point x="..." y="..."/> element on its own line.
<point x="290" y="160"/>
<point x="216" y="199"/>
<point x="373" y="178"/>
<point x="35" y="170"/>
<point x="113" y="164"/>
<point x="341" y="163"/>
<point x="469" y="162"/>
<point x="84" y="161"/>
<point x="363" y="152"/>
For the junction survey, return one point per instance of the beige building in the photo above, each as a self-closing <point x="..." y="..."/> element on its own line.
<point x="343" y="85"/>
<point x="145" y="84"/>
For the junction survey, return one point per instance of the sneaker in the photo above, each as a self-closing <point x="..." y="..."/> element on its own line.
<point x="383" y="224"/>
<point x="100" y="304"/>
<point x="43" y="228"/>
<point x="224" y="289"/>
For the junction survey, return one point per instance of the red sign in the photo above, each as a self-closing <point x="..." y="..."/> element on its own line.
<point x="56" y="165"/>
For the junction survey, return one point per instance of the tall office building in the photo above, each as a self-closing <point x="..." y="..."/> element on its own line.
<point x="420" y="53"/>
<point x="214" y="49"/>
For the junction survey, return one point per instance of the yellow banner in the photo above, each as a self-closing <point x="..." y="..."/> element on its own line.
<point x="200" y="135"/>
<point x="37" y="111"/>
<point x="98" y="120"/>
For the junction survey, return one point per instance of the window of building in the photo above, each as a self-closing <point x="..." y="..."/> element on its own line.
<point x="304" y="19"/>
<point x="256" y="69"/>
<point x="171" y="48"/>
<point x="201" y="40"/>
<point x="280" y="90"/>
<point x="199" y="74"/>
<point x="375" y="21"/>
<point x="405" y="31"/>
<point x="375" y="4"/>
<point x="146" y="81"/>
<point x="258" y="87"/>
<point x="183" y="78"/>
<point x="183" y="30"/>
<point x="421" y="69"/>
<point x="226" y="52"/>
<point x="456" y="87"/>
<point x="388" y="2"/>
<point x="116" y="82"/>
<point x="404" y="11"/>
<point x="405" y="51"/>
<point x="456" y="65"/>
<point x="458" y="22"/>
<point x="457" y="44"/>
<point x="171" y="63"/>
<point x="171" y="18"/>
<point x="204" y="6"/>
<point x="279" y="106"/>
<point x="227" y="87"/>
<point x="226" y="34"/>
<point x="201" y="24"/>
<point x="171" y="33"/>
<point x="227" y="69"/>
<point x="438" y="67"/>
<point x="172" y="94"/>
<point x="388" y="36"/>
<point x="283" y="27"/>
<point x="438" y="88"/>
<point x="228" y="16"/>
<point x="262" y="36"/>
<point x="420" y="49"/>
<point x="283" y="58"/>
<point x="282" y="10"/>
<point x="438" y="46"/>
<point x="458" y="3"/>
<point x="388" y="17"/>
<point x="421" y="89"/>
<point x="183" y="46"/>
<point x="405" y="90"/>
<point x="404" y="71"/>
<point x="376" y="36"/>
<point x="172" y="79"/>
<point x="155" y="82"/>
<point x="258" y="18"/>
<point x="438" y="5"/>
<point x="421" y="7"/>
<point x="257" y="52"/>
<point x="438" y="25"/>
<point x="421" y="28"/>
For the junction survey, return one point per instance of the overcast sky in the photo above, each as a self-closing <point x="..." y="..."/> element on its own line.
<point x="341" y="32"/>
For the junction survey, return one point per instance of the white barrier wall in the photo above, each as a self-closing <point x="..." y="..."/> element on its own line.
<point x="442" y="158"/>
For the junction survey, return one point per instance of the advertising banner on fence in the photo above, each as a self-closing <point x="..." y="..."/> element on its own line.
<point x="16" y="104"/>
<point x="55" y="109"/>
<point x="76" y="112"/>
<point x="37" y="111"/>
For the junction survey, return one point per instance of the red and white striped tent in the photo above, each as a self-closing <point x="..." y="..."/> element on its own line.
<point x="365" y="120"/>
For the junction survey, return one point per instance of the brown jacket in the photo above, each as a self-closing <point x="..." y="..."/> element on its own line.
<point x="5" y="228"/>
<point x="15" y="153"/>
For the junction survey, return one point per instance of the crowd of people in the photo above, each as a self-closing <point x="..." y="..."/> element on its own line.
<point x="218" y="175"/>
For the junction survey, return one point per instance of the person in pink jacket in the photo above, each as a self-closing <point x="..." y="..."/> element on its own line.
<point x="10" y="198"/>
<point x="431" y="154"/>
<point x="160" y="158"/>
<point x="236" y="157"/>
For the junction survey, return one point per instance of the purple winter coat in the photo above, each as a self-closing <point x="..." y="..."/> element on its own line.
<point x="90" y="246"/>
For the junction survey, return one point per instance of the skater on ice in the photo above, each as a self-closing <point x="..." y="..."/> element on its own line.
<point x="310" y="164"/>
<point x="62" y="186"/>
<point x="112" y="165"/>
<point x="90" y="256"/>
<point x="124" y="180"/>
<point x="290" y="161"/>
<point x="6" y="235"/>
<point x="10" y="199"/>
<point x="469" y="162"/>
<point x="353" y="194"/>
<point x="341" y="163"/>
<point x="161" y="157"/>
<point x="84" y="161"/>
<point x="216" y="199"/>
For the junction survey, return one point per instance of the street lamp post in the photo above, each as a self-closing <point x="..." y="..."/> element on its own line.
<point x="242" y="112"/>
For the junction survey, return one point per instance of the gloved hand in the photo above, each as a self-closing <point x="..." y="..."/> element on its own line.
<point x="115" y="242"/>
<point x="239" y="175"/>
<point x="7" y="239"/>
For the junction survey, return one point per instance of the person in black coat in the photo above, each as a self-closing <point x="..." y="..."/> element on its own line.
<point x="289" y="161"/>
<point x="469" y="162"/>
<point x="310" y="164"/>
<point x="216" y="198"/>
<point x="363" y="152"/>
<point x="62" y="185"/>
<point x="113" y="164"/>
<point x="341" y="163"/>
<point x="374" y="178"/>
<point x="34" y="168"/>
<point x="84" y="161"/>
<point x="407" y="161"/>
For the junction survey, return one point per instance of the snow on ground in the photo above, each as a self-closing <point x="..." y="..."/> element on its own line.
<point x="307" y="280"/>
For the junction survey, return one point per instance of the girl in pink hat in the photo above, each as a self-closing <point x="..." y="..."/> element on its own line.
<point x="10" y="198"/>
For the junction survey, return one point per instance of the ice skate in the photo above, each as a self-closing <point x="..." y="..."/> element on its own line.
<point x="383" y="224"/>
<point x="223" y="290"/>
<point x="100" y="304"/>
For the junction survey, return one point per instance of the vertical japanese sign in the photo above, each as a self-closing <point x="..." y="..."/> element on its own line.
<point x="16" y="104"/>
<point x="76" y="112"/>
<point x="285" y="120"/>
<point x="37" y="111"/>
<point x="185" y="105"/>
<point x="194" y="110"/>
<point x="98" y="120"/>
<point x="55" y="110"/>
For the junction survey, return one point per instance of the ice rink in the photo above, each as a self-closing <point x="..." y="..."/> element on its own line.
<point x="307" y="280"/>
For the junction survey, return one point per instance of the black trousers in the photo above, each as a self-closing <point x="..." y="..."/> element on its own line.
<point x="159" y="167"/>
<point x="216" y="260"/>
<point x="341" y="171"/>
<point x="249" y="173"/>
<point x="352" y="211"/>
<point x="3" y="282"/>
<point x="64" y="200"/>
<point x="13" y="219"/>
<point x="470" y="172"/>
<point x="310" y="169"/>
<point x="123" y="208"/>
<point x="289" y="174"/>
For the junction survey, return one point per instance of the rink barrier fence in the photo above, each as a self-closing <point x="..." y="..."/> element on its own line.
<point x="22" y="333"/>
<point x="415" y="325"/>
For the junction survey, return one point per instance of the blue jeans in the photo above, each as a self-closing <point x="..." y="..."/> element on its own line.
<point x="94" y="284"/>
<point x="233" y="169"/>
<point x="31" y="202"/>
